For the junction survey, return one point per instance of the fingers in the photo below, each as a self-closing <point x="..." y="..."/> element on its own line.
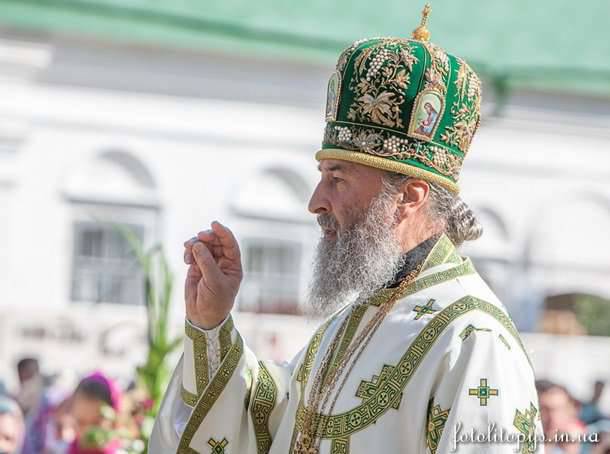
<point x="213" y="245"/>
<point x="188" y="253"/>
<point x="227" y="240"/>
<point x="193" y="275"/>
<point x="219" y="240"/>
<point x="208" y="237"/>
<point x="206" y="263"/>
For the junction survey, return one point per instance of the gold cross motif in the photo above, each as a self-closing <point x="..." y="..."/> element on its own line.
<point x="218" y="447"/>
<point x="424" y="310"/>
<point x="524" y="422"/>
<point x="483" y="392"/>
<point x="367" y="389"/>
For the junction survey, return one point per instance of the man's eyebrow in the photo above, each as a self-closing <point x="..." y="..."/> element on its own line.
<point x="332" y="168"/>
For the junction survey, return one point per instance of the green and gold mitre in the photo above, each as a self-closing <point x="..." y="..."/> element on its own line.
<point x="403" y="105"/>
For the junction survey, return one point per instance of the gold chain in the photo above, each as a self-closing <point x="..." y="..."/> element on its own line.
<point x="324" y="385"/>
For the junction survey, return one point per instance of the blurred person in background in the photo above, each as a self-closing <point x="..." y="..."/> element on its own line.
<point x="560" y="417"/>
<point x="31" y="385"/>
<point x="590" y="411"/>
<point x="12" y="428"/>
<point x="416" y="346"/>
<point x="35" y="404"/>
<point x="93" y="409"/>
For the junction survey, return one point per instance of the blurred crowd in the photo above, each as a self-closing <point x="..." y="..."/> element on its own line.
<point x="98" y="417"/>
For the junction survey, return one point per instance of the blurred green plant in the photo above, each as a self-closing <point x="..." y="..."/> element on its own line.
<point x="154" y="374"/>
<point x="593" y="312"/>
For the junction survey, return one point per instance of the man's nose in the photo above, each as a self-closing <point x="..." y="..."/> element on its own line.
<point x="318" y="203"/>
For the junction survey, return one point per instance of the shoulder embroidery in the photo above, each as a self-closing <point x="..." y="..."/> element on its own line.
<point x="265" y="396"/>
<point x="525" y="423"/>
<point x="367" y="389"/>
<point x="483" y="392"/>
<point x="469" y="330"/>
<point x="384" y="396"/>
<point x="425" y="310"/>
<point x="340" y="446"/>
<point x="437" y="418"/>
<point x="218" y="447"/>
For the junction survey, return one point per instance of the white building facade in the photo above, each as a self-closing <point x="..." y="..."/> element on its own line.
<point x="164" y="143"/>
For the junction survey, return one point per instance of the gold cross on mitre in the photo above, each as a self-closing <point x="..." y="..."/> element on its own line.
<point x="422" y="33"/>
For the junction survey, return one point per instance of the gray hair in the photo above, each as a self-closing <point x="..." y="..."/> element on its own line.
<point x="446" y="209"/>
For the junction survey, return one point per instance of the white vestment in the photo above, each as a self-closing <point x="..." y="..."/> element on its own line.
<point x="445" y="372"/>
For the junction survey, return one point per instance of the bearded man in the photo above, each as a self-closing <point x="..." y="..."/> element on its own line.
<point x="418" y="355"/>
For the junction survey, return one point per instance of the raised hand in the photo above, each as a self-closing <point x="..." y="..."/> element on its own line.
<point x="213" y="277"/>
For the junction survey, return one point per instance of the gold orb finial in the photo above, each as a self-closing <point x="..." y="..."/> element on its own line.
<point x="422" y="33"/>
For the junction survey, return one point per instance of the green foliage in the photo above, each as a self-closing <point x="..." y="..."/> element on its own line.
<point x="154" y="374"/>
<point x="594" y="314"/>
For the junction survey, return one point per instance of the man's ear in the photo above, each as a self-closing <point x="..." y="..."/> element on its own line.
<point x="412" y="198"/>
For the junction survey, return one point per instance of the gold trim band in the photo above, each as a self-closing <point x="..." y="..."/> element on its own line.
<point x="386" y="164"/>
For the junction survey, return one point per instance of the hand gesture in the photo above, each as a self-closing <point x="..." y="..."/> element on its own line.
<point x="213" y="277"/>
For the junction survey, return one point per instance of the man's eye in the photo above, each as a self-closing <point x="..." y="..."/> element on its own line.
<point x="337" y="179"/>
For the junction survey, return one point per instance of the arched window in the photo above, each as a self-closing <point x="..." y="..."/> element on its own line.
<point x="112" y="192"/>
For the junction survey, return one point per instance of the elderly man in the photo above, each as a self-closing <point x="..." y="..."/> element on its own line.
<point x="417" y="354"/>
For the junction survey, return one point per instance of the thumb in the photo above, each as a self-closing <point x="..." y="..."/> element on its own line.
<point x="206" y="263"/>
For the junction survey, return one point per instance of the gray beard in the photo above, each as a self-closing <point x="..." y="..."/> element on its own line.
<point x="361" y="260"/>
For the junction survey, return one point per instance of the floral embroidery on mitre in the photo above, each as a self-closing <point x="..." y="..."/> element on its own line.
<point x="380" y="79"/>
<point x="465" y="110"/>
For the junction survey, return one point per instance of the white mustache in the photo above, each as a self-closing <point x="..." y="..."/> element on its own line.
<point x="327" y="221"/>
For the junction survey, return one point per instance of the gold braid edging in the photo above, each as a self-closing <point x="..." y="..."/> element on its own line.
<point x="349" y="422"/>
<point x="425" y="282"/>
<point x="211" y="395"/>
<point x="443" y="251"/>
<point x="188" y="398"/>
<point x="265" y="396"/>
<point x="224" y="337"/>
<point x="350" y="331"/>
<point x="386" y="164"/>
<point x="200" y="359"/>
